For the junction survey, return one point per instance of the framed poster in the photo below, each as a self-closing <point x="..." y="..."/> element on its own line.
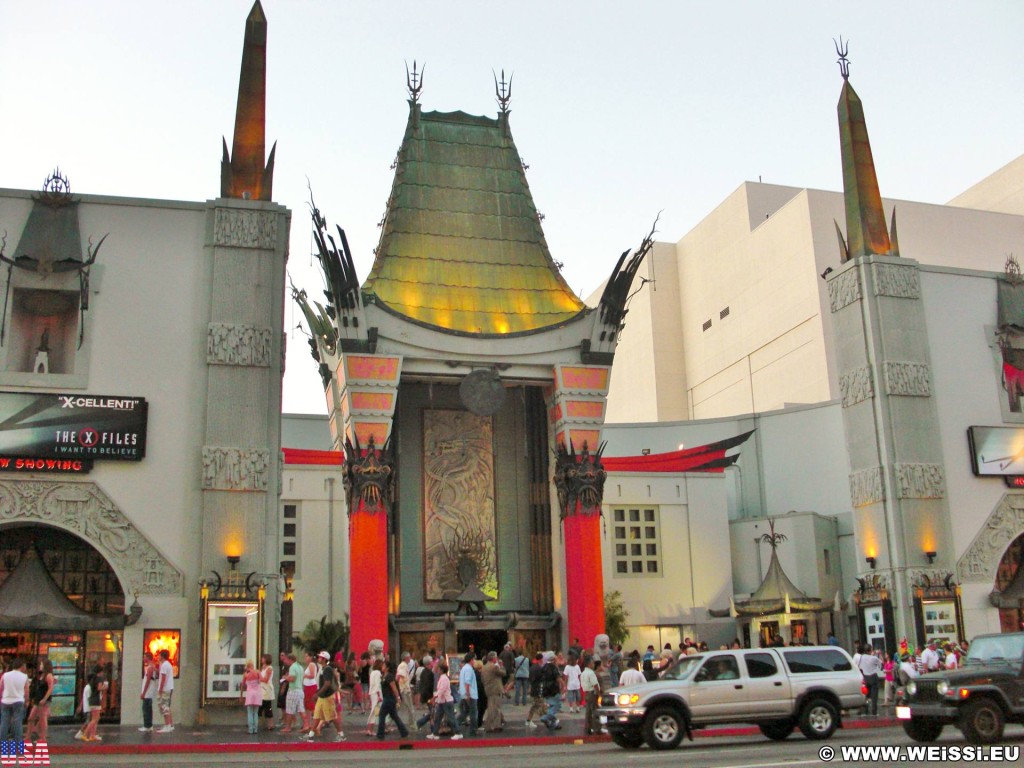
<point x="156" y="640"/>
<point x="232" y="638"/>
<point x="65" y="677"/>
<point x="940" y="622"/>
<point x="874" y="627"/>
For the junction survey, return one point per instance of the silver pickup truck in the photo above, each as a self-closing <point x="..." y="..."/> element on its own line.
<point x="777" y="689"/>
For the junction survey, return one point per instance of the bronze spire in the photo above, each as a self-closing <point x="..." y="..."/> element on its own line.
<point x="866" y="232"/>
<point x="243" y="174"/>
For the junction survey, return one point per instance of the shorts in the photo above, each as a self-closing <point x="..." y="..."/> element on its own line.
<point x="293" y="702"/>
<point x="309" y="697"/>
<point x="163" y="700"/>
<point x="325" y="709"/>
<point x="573" y="696"/>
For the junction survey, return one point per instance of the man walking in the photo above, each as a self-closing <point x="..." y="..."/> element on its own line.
<point x="13" y="695"/>
<point x="470" y="692"/>
<point x="521" y="675"/>
<point x="150" y="674"/>
<point x="164" y="690"/>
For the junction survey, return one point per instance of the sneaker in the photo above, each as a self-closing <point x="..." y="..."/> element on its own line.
<point x="96" y="738"/>
<point x="340" y="737"/>
<point x="432" y="737"/>
<point x="456" y="737"/>
<point x="530" y="724"/>
<point x="555" y="725"/>
<point x="80" y="736"/>
<point x="144" y="729"/>
<point x="165" y="729"/>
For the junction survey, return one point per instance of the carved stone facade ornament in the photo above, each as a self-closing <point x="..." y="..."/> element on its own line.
<point x="239" y="228"/>
<point x="898" y="281"/>
<point x="369" y="476"/>
<point x="856" y="386"/>
<point x="84" y="510"/>
<point x="920" y="481"/>
<point x="929" y="580"/>
<point x="579" y="480"/>
<point x="981" y="560"/>
<point x="228" y="344"/>
<point x="844" y="290"/>
<point x="866" y="487"/>
<point x="235" y="469"/>
<point x="911" y="379"/>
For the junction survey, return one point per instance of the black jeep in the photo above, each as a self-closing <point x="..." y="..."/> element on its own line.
<point x="979" y="698"/>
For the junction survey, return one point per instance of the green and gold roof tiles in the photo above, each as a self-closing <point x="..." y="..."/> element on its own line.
<point x="462" y="249"/>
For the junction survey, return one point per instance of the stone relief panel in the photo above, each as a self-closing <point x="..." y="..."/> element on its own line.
<point x="239" y="228"/>
<point x="459" y="516"/>
<point x="844" y="290"/>
<point x="1006" y="523"/>
<point x="920" y="481"/>
<point x="911" y="379"/>
<point x="894" y="280"/>
<point x="856" y="386"/>
<point x="228" y="344"/>
<point x="866" y="487"/>
<point x="83" y="509"/>
<point x="235" y="469"/>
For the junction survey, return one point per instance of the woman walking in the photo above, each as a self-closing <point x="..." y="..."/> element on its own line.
<point x="374" y="696"/>
<point x="389" y="702"/>
<point x="97" y="690"/>
<point x="252" y="697"/>
<point x="40" y="691"/>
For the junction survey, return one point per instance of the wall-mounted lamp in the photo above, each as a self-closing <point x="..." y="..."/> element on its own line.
<point x="826" y="273"/>
<point x="645" y="451"/>
<point x="870" y="561"/>
<point x="234" y="560"/>
<point x="931" y="556"/>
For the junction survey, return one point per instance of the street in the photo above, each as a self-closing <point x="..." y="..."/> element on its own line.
<point x="724" y="752"/>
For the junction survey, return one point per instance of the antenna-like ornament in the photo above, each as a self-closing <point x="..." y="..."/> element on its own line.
<point x="842" y="49"/>
<point x="503" y="90"/>
<point x="414" y="81"/>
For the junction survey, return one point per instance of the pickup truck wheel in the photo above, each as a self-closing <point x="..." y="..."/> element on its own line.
<point x="664" y="728"/>
<point x="818" y="719"/>
<point x="777" y="730"/>
<point x="627" y="739"/>
<point x="982" y="721"/>
<point x="922" y="729"/>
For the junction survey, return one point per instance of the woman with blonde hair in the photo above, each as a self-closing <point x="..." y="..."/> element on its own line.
<point x="252" y="696"/>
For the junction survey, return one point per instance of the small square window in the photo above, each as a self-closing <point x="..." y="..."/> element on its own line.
<point x="620" y="567"/>
<point x="288" y="568"/>
<point x="634" y="550"/>
<point x="634" y="532"/>
<point x="289" y="547"/>
<point x="634" y="515"/>
<point x="289" y="530"/>
<point x="289" y="510"/>
<point x="649" y="532"/>
<point x="620" y="550"/>
<point x="648" y="515"/>
<point x="638" y="567"/>
<point x="652" y="550"/>
<point x="652" y="566"/>
<point x="620" y="532"/>
<point x="620" y="515"/>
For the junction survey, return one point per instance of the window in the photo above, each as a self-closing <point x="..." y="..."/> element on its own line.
<point x="828" y="563"/>
<point x="719" y="668"/>
<point x="808" y="662"/>
<point x="761" y="665"/>
<point x="289" y="539"/>
<point x="635" y="533"/>
<point x="723" y="314"/>
<point x="707" y="325"/>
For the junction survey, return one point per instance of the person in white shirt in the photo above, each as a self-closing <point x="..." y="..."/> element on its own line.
<point x="12" y="704"/>
<point x="164" y="690"/>
<point x="869" y="666"/>
<point x="572" y="683"/>
<point x="930" y="658"/>
<point x="591" y="688"/>
<point x="632" y="674"/>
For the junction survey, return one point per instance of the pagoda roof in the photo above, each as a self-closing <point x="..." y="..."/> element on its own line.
<point x="778" y="594"/>
<point x="462" y="249"/>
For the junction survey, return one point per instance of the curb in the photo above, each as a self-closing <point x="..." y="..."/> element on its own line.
<point x="401" y="744"/>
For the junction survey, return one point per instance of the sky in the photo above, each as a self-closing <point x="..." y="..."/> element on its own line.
<point x="621" y="110"/>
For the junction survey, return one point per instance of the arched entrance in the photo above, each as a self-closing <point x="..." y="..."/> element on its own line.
<point x="60" y="600"/>
<point x="1008" y="595"/>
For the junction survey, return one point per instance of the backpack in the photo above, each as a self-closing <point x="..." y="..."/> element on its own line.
<point x="549" y="681"/>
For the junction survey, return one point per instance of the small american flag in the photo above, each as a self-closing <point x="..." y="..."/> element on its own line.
<point x="18" y="753"/>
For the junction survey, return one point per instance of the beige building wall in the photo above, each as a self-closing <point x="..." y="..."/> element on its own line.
<point x="1001" y="191"/>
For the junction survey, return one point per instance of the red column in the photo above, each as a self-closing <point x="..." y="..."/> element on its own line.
<point x="584" y="579"/>
<point x="368" y="577"/>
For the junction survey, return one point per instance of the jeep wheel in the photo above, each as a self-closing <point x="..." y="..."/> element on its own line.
<point x="922" y="729"/>
<point x="664" y="728"/>
<point x="628" y="739"/>
<point x="818" y="719"/>
<point x="982" y="721"/>
<point x="777" y="730"/>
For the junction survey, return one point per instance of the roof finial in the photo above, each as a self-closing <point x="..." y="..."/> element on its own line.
<point x="414" y="81"/>
<point x="773" y="539"/>
<point x="844" y="63"/>
<point x="503" y="91"/>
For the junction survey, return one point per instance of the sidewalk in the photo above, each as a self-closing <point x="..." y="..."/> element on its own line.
<point x="126" y="739"/>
